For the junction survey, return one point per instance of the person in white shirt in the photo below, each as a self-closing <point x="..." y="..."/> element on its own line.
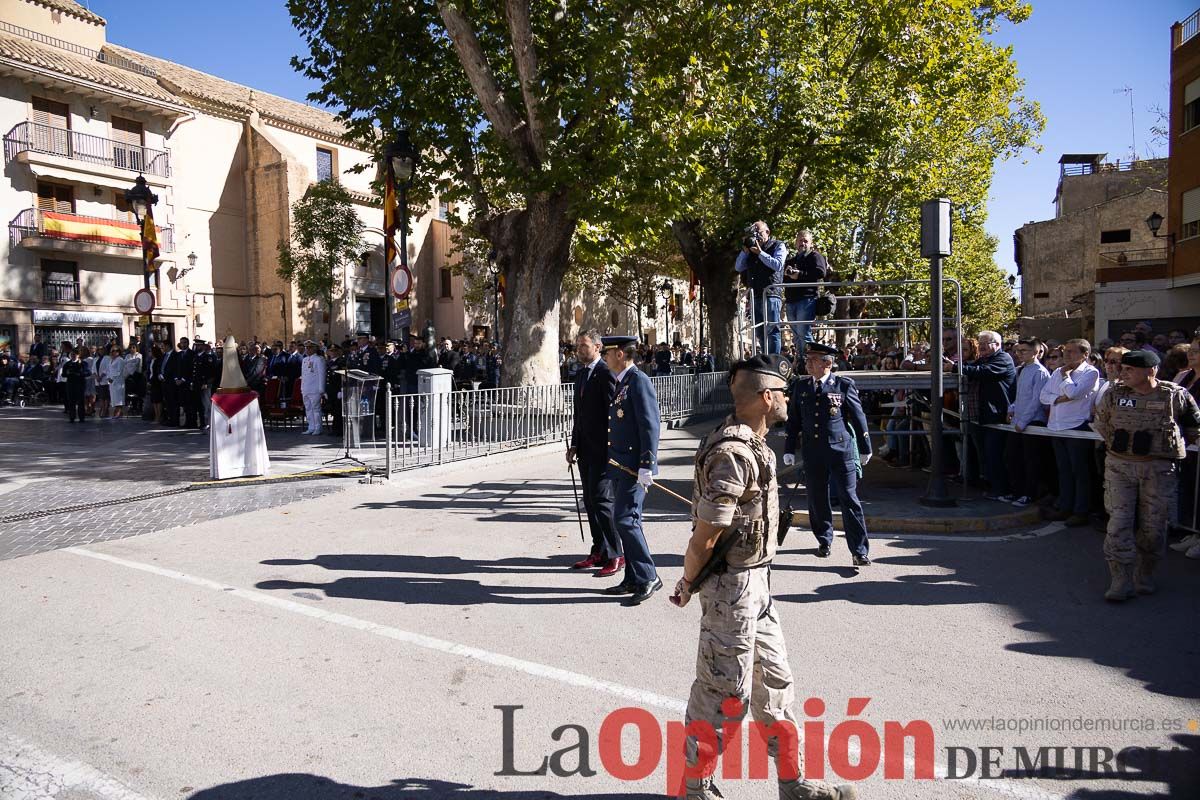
<point x="312" y="386"/>
<point x="1028" y="456"/>
<point x="103" y="382"/>
<point x="1069" y="393"/>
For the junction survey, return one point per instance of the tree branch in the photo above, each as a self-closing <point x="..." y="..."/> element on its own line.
<point x="505" y="122"/>
<point x="525" y="58"/>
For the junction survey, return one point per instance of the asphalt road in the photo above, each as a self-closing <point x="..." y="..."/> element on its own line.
<point x="358" y="644"/>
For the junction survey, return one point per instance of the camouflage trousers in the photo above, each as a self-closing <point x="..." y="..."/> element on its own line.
<point x="742" y="655"/>
<point x="1138" y="494"/>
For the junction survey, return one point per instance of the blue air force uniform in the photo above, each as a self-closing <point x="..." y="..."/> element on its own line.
<point x="633" y="428"/>
<point x="826" y="419"/>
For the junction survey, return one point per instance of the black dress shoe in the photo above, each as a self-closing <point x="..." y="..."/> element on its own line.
<point x="644" y="592"/>
<point x="862" y="561"/>
<point x="621" y="588"/>
<point x="823" y="551"/>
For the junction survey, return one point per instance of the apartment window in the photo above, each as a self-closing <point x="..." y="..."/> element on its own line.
<point x="55" y="197"/>
<point x="1041" y="295"/>
<point x="679" y="306"/>
<point x="1190" y="218"/>
<point x="60" y="281"/>
<point x="443" y="211"/>
<point x="124" y="209"/>
<point x="446" y="281"/>
<point x="616" y="318"/>
<point x="1191" y="105"/>
<point x="325" y="164"/>
<point x="1114" y="237"/>
<point x="52" y="123"/>
<point x="127" y="138"/>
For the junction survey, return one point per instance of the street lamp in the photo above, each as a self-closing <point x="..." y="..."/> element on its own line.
<point x="494" y="271"/>
<point x="668" y="289"/>
<point x="400" y="159"/>
<point x="141" y="200"/>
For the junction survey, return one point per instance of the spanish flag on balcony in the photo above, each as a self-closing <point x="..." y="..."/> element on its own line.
<point x="150" y="251"/>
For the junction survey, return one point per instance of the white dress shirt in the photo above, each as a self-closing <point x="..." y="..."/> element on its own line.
<point x="1079" y="386"/>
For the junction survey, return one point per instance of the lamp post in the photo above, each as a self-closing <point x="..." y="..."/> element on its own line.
<point x="400" y="161"/>
<point x="141" y="200"/>
<point x="494" y="271"/>
<point x="1154" y="223"/>
<point x="668" y="289"/>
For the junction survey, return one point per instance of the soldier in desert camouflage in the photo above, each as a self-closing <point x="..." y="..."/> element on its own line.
<point x="742" y="654"/>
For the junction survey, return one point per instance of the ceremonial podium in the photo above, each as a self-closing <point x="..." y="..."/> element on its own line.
<point x="359" y="390"/>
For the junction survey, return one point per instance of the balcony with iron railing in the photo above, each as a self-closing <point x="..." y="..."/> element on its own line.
<point x="60" y="291"/>
<point x="58" y="231"/>
<point x="1142" y="264"/>
<point x="1186" y="30"/>
<point x="33" y="137"/>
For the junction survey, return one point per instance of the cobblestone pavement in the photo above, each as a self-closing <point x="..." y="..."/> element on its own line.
<point x="46" y="463"/>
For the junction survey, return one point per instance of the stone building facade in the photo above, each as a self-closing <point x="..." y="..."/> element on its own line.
<point x="82" y="118"/>
<point x="1098" y="237"/>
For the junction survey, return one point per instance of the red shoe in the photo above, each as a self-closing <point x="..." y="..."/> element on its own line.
<point x="592" y="560"/>
<point x="611" y="567"/>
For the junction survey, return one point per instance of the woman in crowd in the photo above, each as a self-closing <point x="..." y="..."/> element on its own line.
<point x="155" y="389"/>
<point x="88" y="355"/>
<point x="115" y="369"/>
<point x="103" y="381"/>
<point x="1053" y="359"/>
<point x="1175" y="361"/>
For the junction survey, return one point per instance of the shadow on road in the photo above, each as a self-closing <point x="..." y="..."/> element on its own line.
<point x="298" y="786"/>
<point x="1055" y="585"/>
<point x="1178" y="768"/>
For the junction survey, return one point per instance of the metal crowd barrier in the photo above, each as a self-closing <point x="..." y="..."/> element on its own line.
<point x="483" y="422"/>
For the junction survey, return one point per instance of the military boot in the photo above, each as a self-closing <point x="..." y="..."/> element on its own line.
<point x="816" y="790"/>
<point x="1121" y="587"/>
<point x="703" y="789"/>
<point x="1143" y="575"/>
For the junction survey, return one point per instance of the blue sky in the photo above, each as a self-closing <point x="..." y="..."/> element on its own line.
<point x="1075" y="56"/>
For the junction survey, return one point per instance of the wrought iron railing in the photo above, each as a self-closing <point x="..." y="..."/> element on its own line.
<point x="60" y="291"/>
<point x="103" y="56"/>
<point x="428" y="429"/>
<point x="32" y="223"/>
<point x="1133" y="258"/>
<point x="1189" y="28"/>
<point x="38" y="138"/>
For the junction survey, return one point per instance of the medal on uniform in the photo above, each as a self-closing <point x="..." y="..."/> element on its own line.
<point x="620" y="413"/>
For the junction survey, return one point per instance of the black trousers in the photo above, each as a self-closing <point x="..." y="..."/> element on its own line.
<point x="170" y="403"/>
<point x="74" y="398"/>
<point x="598" y="500"/>
<point x="191" y="405"/>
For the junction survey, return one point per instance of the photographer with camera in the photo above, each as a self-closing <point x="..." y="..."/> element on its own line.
<point x="761" y="265"/>
<point x="806" y="265"/>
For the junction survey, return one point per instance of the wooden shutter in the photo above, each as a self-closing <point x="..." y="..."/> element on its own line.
<point x="50" y="134"/>
<point x="53" y="197"/>
<point x="127" y="144"/>
<point x="49" y="112"/>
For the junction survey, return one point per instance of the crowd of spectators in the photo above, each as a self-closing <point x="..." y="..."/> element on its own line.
<point x="654" y="360"/>
<point x="1023" y="383"/>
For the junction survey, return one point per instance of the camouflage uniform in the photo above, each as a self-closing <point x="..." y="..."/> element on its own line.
<point x="1144" y="441"/>
<point x="742" y="653"/>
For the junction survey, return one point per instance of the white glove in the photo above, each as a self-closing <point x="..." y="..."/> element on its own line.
<point x="645" y="478"/>
<point x="789" y="459"/>
<point x="866" y="459"/>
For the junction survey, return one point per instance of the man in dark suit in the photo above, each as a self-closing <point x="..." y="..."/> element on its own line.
<point x="595" y="388"/>
<point x="183" y="382"/>
<point x="826" y="417"/>
<point x="994" y="376"/>
<point x="633" y="427"/>
<point x="171" y="372"/>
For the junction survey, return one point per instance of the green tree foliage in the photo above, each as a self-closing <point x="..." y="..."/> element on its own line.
<point x="327" y="236"/>
<point x="847" y="115"/>
<point x="539" y="115"/>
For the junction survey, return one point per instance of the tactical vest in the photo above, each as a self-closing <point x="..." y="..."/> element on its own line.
<point x="757" y="515"/>
<point x="1143" y="425"/>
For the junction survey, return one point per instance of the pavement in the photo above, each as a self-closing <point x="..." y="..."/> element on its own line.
<point x="425" y="638"/>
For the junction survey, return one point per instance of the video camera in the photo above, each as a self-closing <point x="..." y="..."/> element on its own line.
<point x="751" y="238"/>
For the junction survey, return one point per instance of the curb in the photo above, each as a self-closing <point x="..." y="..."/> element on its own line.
<point x="259" y="480"/>
<point x="1028" y="516"/>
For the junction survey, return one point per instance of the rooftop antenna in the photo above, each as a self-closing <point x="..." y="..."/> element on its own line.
<point x="1128" y="91"/>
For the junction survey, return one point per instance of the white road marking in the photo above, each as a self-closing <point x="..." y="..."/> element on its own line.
<point x="29" y="773"/>
<point x="641" y="697"/>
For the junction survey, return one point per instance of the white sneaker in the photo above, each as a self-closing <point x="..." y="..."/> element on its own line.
<point x="1023" y="501"/>
<point x="1185" y="544"/>
<point x="1194" y="551"/>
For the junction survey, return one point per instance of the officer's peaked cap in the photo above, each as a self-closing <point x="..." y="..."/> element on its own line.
<point x="1141" y="358"/>
<point x="607" y="342"/>
<point x="821" y="349"/>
